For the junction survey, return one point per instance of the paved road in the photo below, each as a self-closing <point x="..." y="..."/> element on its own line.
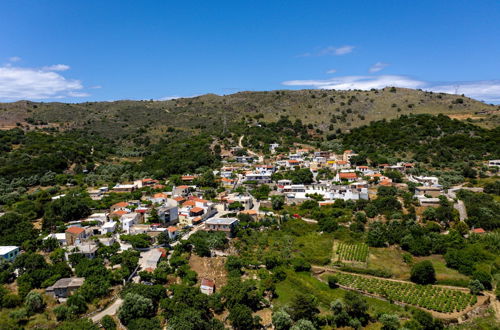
<point x="110" y="310"/>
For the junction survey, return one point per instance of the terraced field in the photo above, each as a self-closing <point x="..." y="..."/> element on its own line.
<point x="433" y="298"/>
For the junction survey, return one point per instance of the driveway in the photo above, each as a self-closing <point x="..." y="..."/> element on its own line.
<point x="110" y="310"/>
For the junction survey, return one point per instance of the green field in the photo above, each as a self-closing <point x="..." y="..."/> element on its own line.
<point x="438" y="299"/>
<point x="352" y="252"/>
<point x="305" y="283"/>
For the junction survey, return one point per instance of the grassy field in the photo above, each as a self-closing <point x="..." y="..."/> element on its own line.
<point x="390" y="259"/>
<point x="316" y="247"/>
<point x="306" y="283"/>
<point x="444" y="274"/>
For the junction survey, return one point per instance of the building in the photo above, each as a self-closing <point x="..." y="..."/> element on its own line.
<point x="108" y="227"/>
<point x="172" y="232"/>
<point x="149" y="259"/>
<point x="207" y="286"/>
<point x="9" y="253"/>
<point x="429" y="191"/>
<point x="226" y="225"/>
<point x="124" y="187"/>
<point x="128" y="220"/>
<point x="74" y="235"/>
<point x="168" y="213"/>
<point x="65" y="287"/>
<point x="495" y="162"/>
<point x="245" y="200"/>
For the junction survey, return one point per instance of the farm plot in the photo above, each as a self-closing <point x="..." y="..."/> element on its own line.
<point x="352" y="252"/>
<point x="434" y="298"/>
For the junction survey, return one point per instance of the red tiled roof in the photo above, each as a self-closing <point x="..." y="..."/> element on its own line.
<point x="188" y="203"/>
<point x="120" y="204"/>
<point x="187" y="177"/>
<point x="249" y="212"/>
<point x="199" y="200"/>
<point x="172" y="229"/>
<point x="348" y="175"/>
<point x="179" y="199"/>
<point x="183" y="187"/>
<point x="207" y="282"/>
<point x="479" y="231"/>
<point x="197" y="219"/>
<point x="119" y="212"/>
<point x="75" y="230"/>
<point x="196" y="210"/>
<point x="160" y="195"/>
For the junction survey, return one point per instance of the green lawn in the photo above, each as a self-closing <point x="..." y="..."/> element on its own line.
<point x="316" y="247"/>
<point x="305" y="283"/>
<point x="390" y="259"/>
<point x="444" y="274"/>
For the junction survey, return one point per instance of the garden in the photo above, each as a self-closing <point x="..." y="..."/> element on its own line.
<point x="352" y="252"/>
<point x="434" y="298"/>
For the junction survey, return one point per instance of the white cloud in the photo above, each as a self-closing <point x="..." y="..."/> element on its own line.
<point x="331" y="71"/>
<point x="20" y="83"/>
<point x="379" y="66"/>
<point x="331" y="50"/>
<point x="56" y="67"/>
<point x="14" y="59"/>
<point x="485" y="90"/>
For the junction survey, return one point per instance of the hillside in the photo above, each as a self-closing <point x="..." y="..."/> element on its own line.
<point x="325" y="110"/>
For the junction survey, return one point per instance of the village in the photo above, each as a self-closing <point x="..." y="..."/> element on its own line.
<point x="168" y="216"/>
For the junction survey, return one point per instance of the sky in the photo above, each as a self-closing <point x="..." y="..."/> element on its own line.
<point x="86" y="50"/>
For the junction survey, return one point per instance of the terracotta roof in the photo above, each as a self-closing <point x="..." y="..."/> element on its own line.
<point x="183" y="187"/>
<point x="199" y="200"/>
<point x="120" y="204"/>
<point x="75" y="230"/>
<point x="189" y="203"/>
<point x="187" y="177"/>
<point x="249" y="212"/>
<point x="207" y="282"/>
<point x="119" y="212"/>
<point x="179" y="198"/>
<point x="196" y="210"/>
<point x="341" y="162"/>
<point x="478" y="231"/>
<point x="362" y="166"/>
<point x="158" y="186"/>
<point x="197" y="219"/>
<point x="172" y="229"/>
<point x="348" y="175"/>
<point x="385" y="182"/>
<point x="160" y="195"/>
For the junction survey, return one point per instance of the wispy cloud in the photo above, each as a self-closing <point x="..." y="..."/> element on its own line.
<point x="173" y="97"/>
<point x="379" y="66"/>
<point x="56" y="67"/>
<point x="485" y="90"/>
<point x="330" y="51"/>
<point x="331" y="71"/>
<point x="21" y="83"/>
<point x="14" y="59"/>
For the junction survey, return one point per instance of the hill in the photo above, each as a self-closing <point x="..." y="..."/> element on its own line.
<point x="323" y="110"/>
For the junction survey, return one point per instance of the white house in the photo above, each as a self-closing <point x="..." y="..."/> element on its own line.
<point x="128" y="220"/>
<point x="9" y="253"/>
<point x="108" y="227"/>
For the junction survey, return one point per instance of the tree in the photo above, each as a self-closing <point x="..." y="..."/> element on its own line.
<point x="389" y="321"/>
<point x="15" y="229"/>
<point x="80" y="324"/>
<point x="476" y="287"/>
<point x="278" y="202"/>
<point x="303" y="325"/>
<point x="355" y="305"/>
<point x="135" y="306"/>
<point x="303" y="306"/>
<point x="144" y="324"/>
<point x="423" y="273"/>
<point x="76" y="303"/>
<point x="484" y="277"/>
<point x="333" y="281"/>
<point x="281" y="320"/>
<point x="34" y="303"/>
<point x="241" y="317"/>
<point x="108" y="323"/>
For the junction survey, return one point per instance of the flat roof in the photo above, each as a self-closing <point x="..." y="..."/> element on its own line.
<point x="221" y="221"/>
<point x="7" y="249"/>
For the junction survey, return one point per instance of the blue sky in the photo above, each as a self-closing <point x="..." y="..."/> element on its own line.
<point x="76" y="51"/>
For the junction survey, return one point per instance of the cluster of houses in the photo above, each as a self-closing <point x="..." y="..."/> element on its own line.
<point x="173" y="211"/>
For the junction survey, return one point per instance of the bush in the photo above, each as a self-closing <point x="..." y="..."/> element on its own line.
<point x="108" y="323"/>
<point x="301" y="265"/>
<point x="423" y="273"/>
<point x="333" y="281"/>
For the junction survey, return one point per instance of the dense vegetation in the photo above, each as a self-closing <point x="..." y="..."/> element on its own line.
<point x="437" y="140"/>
